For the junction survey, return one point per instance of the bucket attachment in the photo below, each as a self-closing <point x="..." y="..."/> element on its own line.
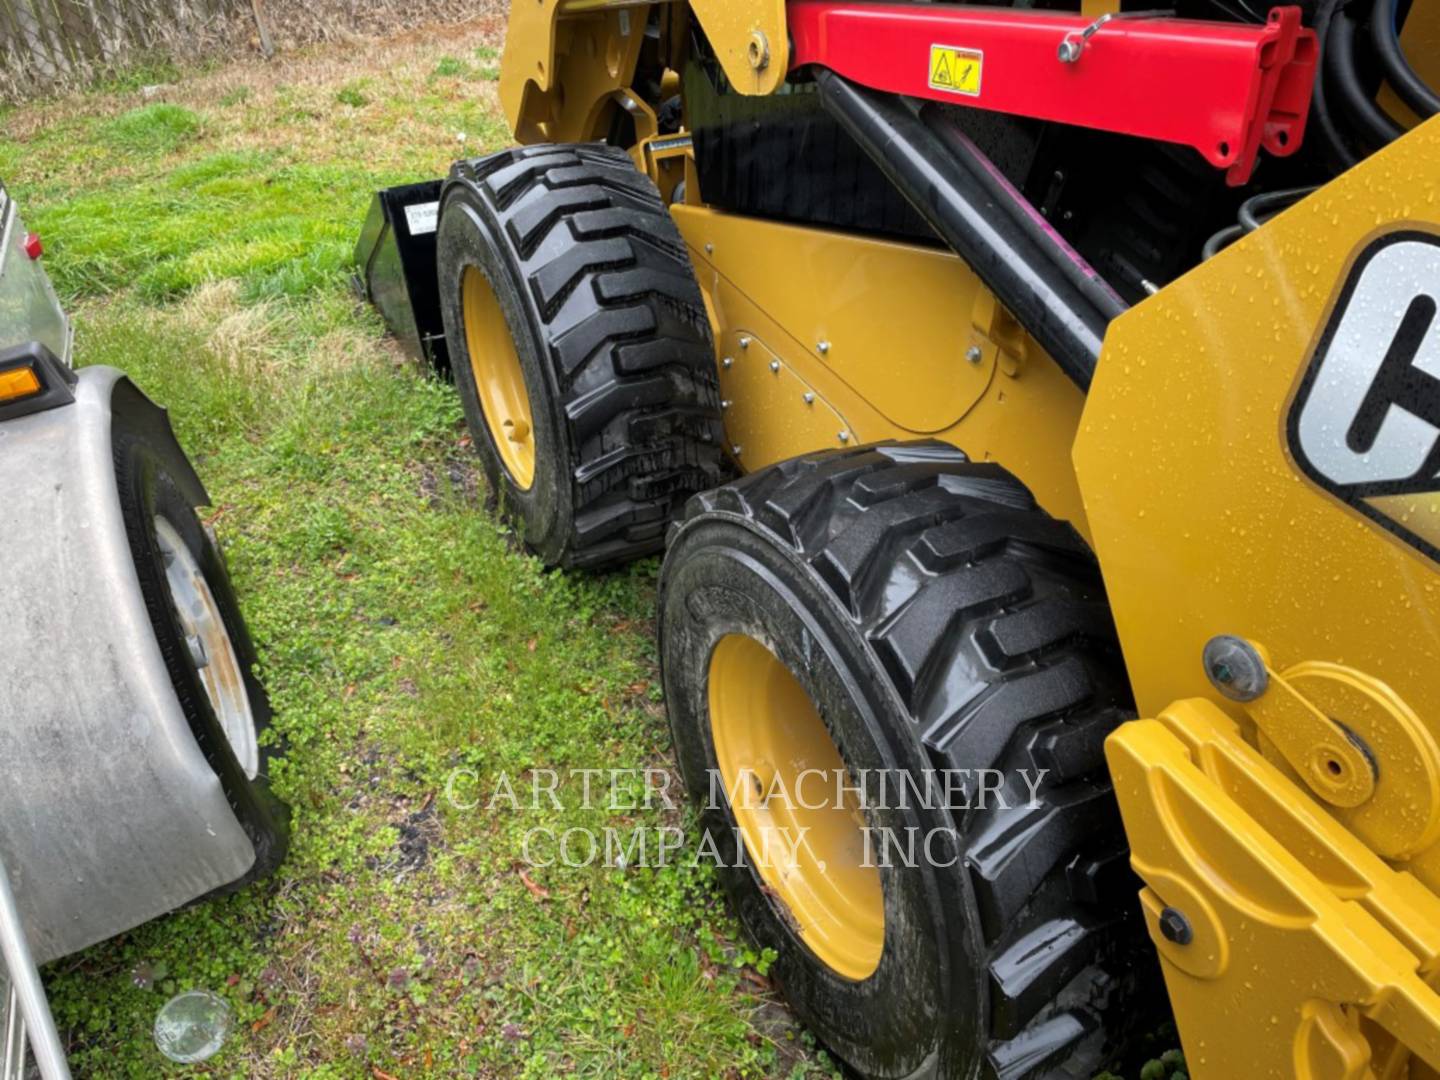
<point x="395" y="268"/>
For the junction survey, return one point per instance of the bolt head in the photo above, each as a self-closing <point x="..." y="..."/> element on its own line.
<point x="1235" y="668"/>
<point x="822" y="347"/>
<point x="844" y="436"/>
<point x="775" y="366"/>
<point x="736" y="449"/>
<point x="725" y="363"/>
<point x="974" y="354"/>
<point x="744" y="342"/>
<point x="808" y="398"/>
<point x="1175" y="927"/>
<point x="709" y="249"/>
<point x="726" y="403"/>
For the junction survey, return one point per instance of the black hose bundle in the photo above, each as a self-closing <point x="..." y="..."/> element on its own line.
<point x="1409" y="87"/>
<point x="1347" y="116"/>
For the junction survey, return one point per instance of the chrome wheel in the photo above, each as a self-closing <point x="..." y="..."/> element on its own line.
<point x="211" y="650"/>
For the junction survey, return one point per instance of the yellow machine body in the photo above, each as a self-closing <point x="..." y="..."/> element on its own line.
<point x="1298" y="833"/>
<point x="1315" y="907"/>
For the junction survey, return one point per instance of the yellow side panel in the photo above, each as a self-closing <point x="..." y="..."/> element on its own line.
<point x="867" y="303"/>
<point x="895" y="341"/>
<point x="564" y="58"/>
<point x="1203" y="520"/>
<point x="750" y="40"/>
<point x="562" y="64"/>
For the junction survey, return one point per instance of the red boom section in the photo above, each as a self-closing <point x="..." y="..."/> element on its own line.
<point x="1224" y="88"/>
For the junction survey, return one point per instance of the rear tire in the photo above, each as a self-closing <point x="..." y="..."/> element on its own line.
<point x="581" y="349"/>
<point x="937" y="619"/>
<point x="149" y="495"/>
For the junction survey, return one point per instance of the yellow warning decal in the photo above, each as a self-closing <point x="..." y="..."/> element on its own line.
<point x="956" y="70"/>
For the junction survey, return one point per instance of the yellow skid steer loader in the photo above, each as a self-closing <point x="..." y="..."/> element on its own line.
<point x="1038" y="408"/>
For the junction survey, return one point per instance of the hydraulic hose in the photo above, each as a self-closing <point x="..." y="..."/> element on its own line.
<point x="1408" y="86"/>
<point x="1259" y="209"/>
<point x="1340" y="67"/>
<point x="1007" y="197"/>
<point x="1344" y="156"/>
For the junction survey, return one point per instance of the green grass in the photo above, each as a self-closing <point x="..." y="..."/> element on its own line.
<point x="278" y="229"/>
<point x="151" y="129"/>
<point x="449" y="67"/>
<point x="452" y="67"/>
<point x="404" y="635"/>
<point x="353" y="96"/>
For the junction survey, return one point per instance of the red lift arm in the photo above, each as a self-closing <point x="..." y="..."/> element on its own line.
<point x="1224" y="88"/>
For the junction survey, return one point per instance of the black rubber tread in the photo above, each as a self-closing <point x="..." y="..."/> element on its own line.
<point x="990" y="619"/>
<point x="620" y="323"/>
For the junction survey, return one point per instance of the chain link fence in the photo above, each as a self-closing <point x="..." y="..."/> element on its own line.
<point x="51" y="45"/>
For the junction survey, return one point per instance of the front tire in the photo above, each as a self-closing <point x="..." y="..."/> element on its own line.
<point x="581" y="349"/>
<point x="934" y="619"/>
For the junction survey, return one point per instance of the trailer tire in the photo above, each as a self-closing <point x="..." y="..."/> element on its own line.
<point x="580" y="347"/>
<point x="165" y="533"/>
<point x="936" y="619"/>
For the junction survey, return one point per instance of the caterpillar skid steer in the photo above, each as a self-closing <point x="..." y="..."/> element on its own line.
<point x="1038" y="407"/>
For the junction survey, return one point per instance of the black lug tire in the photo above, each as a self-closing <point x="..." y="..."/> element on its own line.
<point x="938" y="619"/>
<point x="147" y="489"/>
<point x="614" y="345"/>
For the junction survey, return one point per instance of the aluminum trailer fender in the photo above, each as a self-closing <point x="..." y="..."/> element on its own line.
<point x="109" y="813"/>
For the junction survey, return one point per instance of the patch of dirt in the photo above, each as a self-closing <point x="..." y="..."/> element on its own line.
<point x="417" y="832"/>
<point x="458" y="476"/>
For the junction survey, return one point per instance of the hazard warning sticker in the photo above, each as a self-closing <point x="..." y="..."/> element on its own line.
<point x="956" y="70"/>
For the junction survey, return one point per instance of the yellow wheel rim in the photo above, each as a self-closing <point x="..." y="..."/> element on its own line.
<point x="498" y="379"/>
<point x="780" y="769"/>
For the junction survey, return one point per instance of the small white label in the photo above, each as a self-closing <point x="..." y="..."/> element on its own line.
<point x="422" y="217"/>
<point x="624" y="23"/>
